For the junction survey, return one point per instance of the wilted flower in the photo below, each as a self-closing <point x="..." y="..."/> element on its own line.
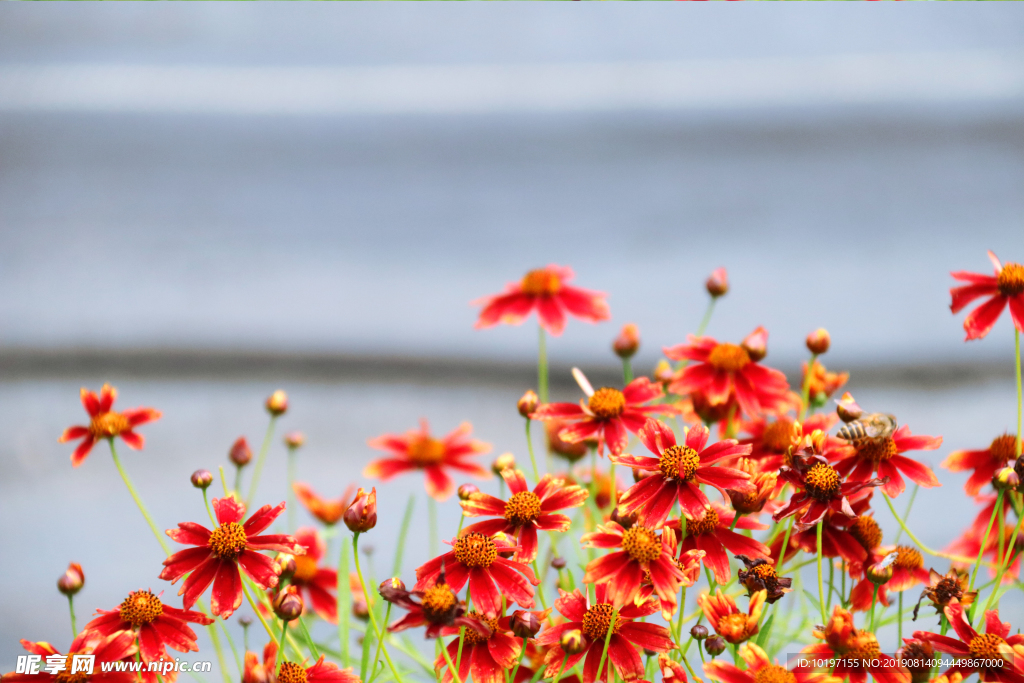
<point x="106" y="424"/>
<point x="437" y="606"/>
<point x="712" y="534"/>
<point x="942" y="590"/>
<point x="760" y="575"/>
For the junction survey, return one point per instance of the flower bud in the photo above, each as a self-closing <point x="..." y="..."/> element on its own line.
<point x="288" y="604"/>
<point x="663" y="372"/>
<point x="558" y="563"/>
<point x="294" y="440"/>
<point x="573" y="641"/>
<point x="756" y="344"/>
<point x="277" y="403"/>
<point x="245" y="620"/>
<point x="847" y="408"/>
<point x="628" y="341"/>
<point x="623" y="520"/>
<point x="528" y="403"/>
<point x="361" y="515"/>
<point x="880" y="572"/>
<point x="671" y="671"/>
<point x="392" y="589"/>
<point x="715" y="645"/>
<point x="201" y="479"/>
<point x="818" y="341"/>
<point x="1018" y="467"/>
<point x="72" y="580"/>
<point x="360" y="610"/>
<point x="467" y="490"/>
<point x="240" y="453"/>
<point x="287" y="566"/>
<point x="1006" y="478"/>
<point x="505" y="461"/>
<point x="525" y="624"/>
<point x="699" y="632"/>
<point x="718" y="284"/>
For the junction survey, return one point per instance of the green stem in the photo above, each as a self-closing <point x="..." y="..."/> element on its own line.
<point x="540" y="587"/>
<point x="627" y="370"/>
<point x="380" y="641"/>
<point x="981" y="551"/>
<point x="402" y="532"/>
<point x="529" y="446"/>
<point x="561" y="670"/>
<point x="607" y="639"/>
<point x="821" y="584"/>
<point x="238" y="480"/>
<point x="1003" y="562"/>
<point x="448" y="660"/>
<point x="542" y="365"/>
<point x="344" y="603"/>
<point x="231" y="644"/>
<point x="291" y="491"/>
<point x="915" y="539"/>
<point x="871" y="617"/>
<point x="71" y="608"/>
<point x="899" y="619"/>
<point x="259" y="615"/>
<point x="735" y="519"/>
<point x="462" y="630"/>
<point x="1020" y="396"/>
<point x="707" y="316"/>
<point x="785" y="544"/>
<point x="209" y="512"/>
<point x="805" y="390"/>
<point x="138" y="501"/>
<point x="518" y="663"/>
<point x="432" y="521"/>
<point x="906" y="513"/>
<point x="309" y="639"/>
<point x="369" y="608"/>
<point x="260" y="459"/>
<point x="284" y="635"/>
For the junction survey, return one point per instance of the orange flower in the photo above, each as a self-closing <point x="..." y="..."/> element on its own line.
<point x="975" y="652"/>
<point x="488" y="657"/>
<point x="320" y="672"/>
<point x="106" y="424"/>
<point x="761" y="670"/>
<point x="327" y="511"/>
<point x="727" y="620"/>
<point x="886" y="458"/>
<point x="417" y="449"/>
<point x="857" y="651"/>
<point x="116" y="647"/>
<point x="158" y="625"/>
<point x="1005" y="287"/>
<point x="822" y="383"/>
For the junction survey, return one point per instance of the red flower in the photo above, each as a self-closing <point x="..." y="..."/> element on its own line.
<point x="320" y="672"/>
<point x="158" y="624"/>
<point x="488" y="657"/>
<point x="857" y="652"/>
<point x="105" y="648"/>
<point x="771" y="441"/>
<point x="327" y="511"/>
<point x="760" y="669"/>
<point x="106" y="424"/>
<point x="607" y="414"/>
<point x="725" y="371"/>
<point x="546" y="290"/>
<point x="985" y="463"/>
<point x="594" y="621"/>
<point x="968" y="544"/>
<point x="417" y="449"/>
<point x="222" y="551"/>
<point x="711" y="533"/>
<point x="908" y="571"/>
<point x="317" y="584"/>
<point x="996" y="644"/>
<point x="727" y="620"/>
<point x="678" y="472"/>
<point x="525" y="512"/>
<point x="841" y="536"/>
<point x="886" y="458"/>
<point x="475" y="558"/>
<point x="819" y="490"/>
<point x="1005" y="287"/>
<point x="438" y="607"/>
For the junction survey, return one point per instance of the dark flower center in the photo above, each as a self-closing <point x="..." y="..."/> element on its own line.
<point x="729" y="357"/>
<point x="877" y="451"/>
<point x="1011" y="280"/>
<point x="945" y="590"/>
<point x="228" y="540"/>
<point x="522" y="507"/>
<point x="642" y="544"/>
<point x="1004" y="448"/>
<point x="475" y="550"/>
<point x="607" y="403"/>
<point x="141" y="607"/>
<point x="822" y="482"/>
<point x="291" y="672"/>
<point x="773" y="673"/>
<point x="426" y="451"/>
<point x="540" y="282"/>
<point x="107" y="425"/>
<point x="867" y="532"/>
<point x="679" y="462"/>
<point x="597" y="620"/>
<point x="439" y="603"/>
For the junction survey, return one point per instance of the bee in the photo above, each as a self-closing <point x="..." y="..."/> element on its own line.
<point x="871" y="427"/>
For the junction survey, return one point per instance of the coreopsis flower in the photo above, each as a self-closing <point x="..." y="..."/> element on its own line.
<point x="220" y="554"/>
<point x="976" y="652"/>
<point x="292" y="672"/>
<point x="327" y="511"/>
<point x="841" y="536"/>
<point x="721" y="372"/>
<point x="857" y="651"/>
<point x="772" y="442"/>
<point x="104" y="423"/>
<point x="907" y="571"/>
<point x="679" y="470"/>
<point x="942" y="590"/>
<point x="438" y="607"/>
<point x="486" y="657"/>
<point x="968" y="545"/>
<point x="106" y="649"/>
<point x="1005" y="287"/>
<point x="763" y="483"/>
<point x="819" y="489"/>
<point x="318" y="584"/>
<point x="525" y="512"/>
<point x="985" y="462"/>
<point x="158" y="625"/>
<point x="361" y="515"/>
<point x="594" y="621"/>
<point x="727" y="619"/>
<point x="711" y="533"/>
<point x="417" y="449"/>
<point x="479" y="559"/>
<point x="885" y="456"/>
<point x="821" y="384"/>
<point x="253" y="671"/>
<point x="547" y="291"/>
<point x="760" y="575"/>
<point x="917" y="656"/>
<point x="761" y="670"/>
<point x="640" y="549"/>
<point x="607" y="414"/>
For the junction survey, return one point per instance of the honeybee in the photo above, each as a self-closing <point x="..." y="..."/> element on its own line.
<point x="869" y="427"/>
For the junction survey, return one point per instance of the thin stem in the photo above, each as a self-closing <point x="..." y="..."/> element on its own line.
<point x="607" y="640"/>
<point x="238" y="480"/>
<point x="540" y="587"/>
<point x="1003" y="562"/>
<point x="906" y="513"/>
<point x="522" y="652"/>
<point x="209" y="512"/>
<point x="432" y="521"/>
<point x="981" y="551"/>
<point x="369" y="608"/>
<point x="1020" y="396"/>
<point x="260" y="459"/>
<point x="805" y="390"/>
<point x="380" y="641"/>
<point x="899" y="619"/>
<point x="138" y="501"/>
<point x="922" y="546"/>
<point x="448" y="660"/>
<point x="871" y="618"/>
<point x="344" y="602"/>
<point x="542" y="365"/>
<point x="561" y="670"/>
<point x="735" y="519"/>
<point x="402" y="532"/>
<point x="529" y="446"/>
<point x="627" y="370"/>
<point x="291" y="491"/>
<point x="284" y="634"/>
<point x="821" y="585"/>
<point x="785" y="544"/>
<point x="462" y="630"/>
<point x="71" y="608"/>
<point x="259" y="615"/>
<point x="231" y="644"/>
<point x="707" y="316"/>
<point x="309" y="639"/>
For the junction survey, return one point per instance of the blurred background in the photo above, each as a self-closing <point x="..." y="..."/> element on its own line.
<point x="202" y="203"/>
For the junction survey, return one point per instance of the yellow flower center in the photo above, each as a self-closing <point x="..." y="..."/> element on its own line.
<point x="66" y="676"/>
<point x="679" y="462"/>
<point x="1011" y="280"/>
<point x="733" y="627"/>
<point x="642" y="544"/>
<point x="705" y="525"/>
<point x="877" y="451"/>
<point x="540" y="282"/>
<point x="863" y="647"/>
<point x="773" y="673"/>
<point x="908" y="558"/>
<point x="141" y="607"/>
<point x="597" y="619"/>
<point x="474" y="638"/>
<point x="1004" y="448"/>
<point x="305" y="569"/>
<point x="291" y="672"/>
<point x="475" y="550"/>
<point x="438" y="602"/>
<point x="522" y="508"/>
<point x="780" y="435"/>
<point x="822" y="482"/>
<point x="426" y="451"/>
<point x="607" y="403"/>
<point x="729" y="357"/>
<point x="107" y="425"/>
<point x="987" y="646"/>
<point x="867" y="532"/>
<point x="228" y="540"/>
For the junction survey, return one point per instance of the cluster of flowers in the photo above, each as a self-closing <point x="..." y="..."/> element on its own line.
<point x="711" y="418"/>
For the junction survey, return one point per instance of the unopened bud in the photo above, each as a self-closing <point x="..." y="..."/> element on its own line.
<point x="1018" y="467"/>
<point x="360" y="610"/>
<point x="1006" y="478"/>
<point x="623" y="520"/>
<point x="558" y="562"/>
<point x="505" y="461"/>
<point x="245" y="620"/>
<point x="880" y="572"/>
<point x="818" y="341"/>
<point x="628" y="341"/>
<point x="392" y="589"/>
<point x="287" y="565"/>
<point x="361" y="515"/>
<point x="525" y="624"/>
<point x="467" y="490"/>
<point x="699" y="632"/>
<point x="573" y="641"/>
<point x="294" y="440"/>
<point x="847" y="408"/>
<point x="715" y="645"/>
<point x="72" y="580"/>
<point x="288" y="604"/>
<point x="240" y="453"/>
<point x="201" y="479"/>
<point x="756" y="344"/>
<point x="277" y="403"/>
<point x="718" y="284"/>
<point x="663" y="372"/>
<point x="527" y="404"/>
